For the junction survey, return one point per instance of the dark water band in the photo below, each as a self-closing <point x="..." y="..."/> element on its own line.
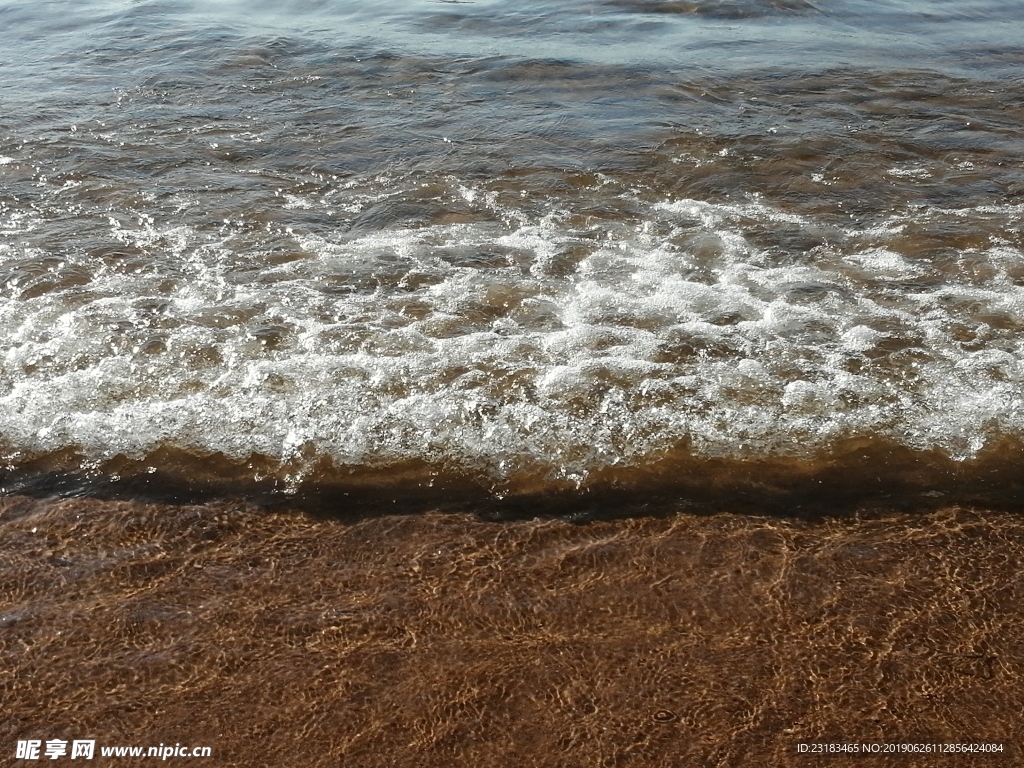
<point x="856" y="474"/>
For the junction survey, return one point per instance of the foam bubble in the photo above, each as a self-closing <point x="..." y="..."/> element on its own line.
<point x="886" y="264"/>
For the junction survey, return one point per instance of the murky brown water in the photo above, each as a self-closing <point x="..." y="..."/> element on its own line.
<point x="433" y="639"/>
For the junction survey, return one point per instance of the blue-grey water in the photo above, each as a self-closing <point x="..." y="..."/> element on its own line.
<point x="533" y="245"/>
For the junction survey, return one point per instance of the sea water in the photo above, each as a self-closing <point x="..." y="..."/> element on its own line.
<point x="524" y="247"/>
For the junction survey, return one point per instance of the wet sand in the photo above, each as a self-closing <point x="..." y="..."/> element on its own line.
<point x="280" y="638"/>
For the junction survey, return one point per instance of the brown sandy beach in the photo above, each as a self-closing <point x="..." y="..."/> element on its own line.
<point x="437" y="639"/>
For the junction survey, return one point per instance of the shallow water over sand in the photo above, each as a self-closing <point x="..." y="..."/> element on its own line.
<point x="722" y="640"/>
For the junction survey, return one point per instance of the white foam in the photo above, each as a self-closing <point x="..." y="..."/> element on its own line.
<point x="886" y="264"/>
<point x="910" y="173"/>
<point x="515" y="343"/>
<point x="712" y="215"/>
<point x="860" y="338"/>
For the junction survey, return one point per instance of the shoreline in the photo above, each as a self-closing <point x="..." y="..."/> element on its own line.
<point x="281" y="638"/>
<point x="855" y="474"/>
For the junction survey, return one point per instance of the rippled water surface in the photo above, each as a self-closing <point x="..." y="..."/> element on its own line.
<point x="524" y="246"/>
